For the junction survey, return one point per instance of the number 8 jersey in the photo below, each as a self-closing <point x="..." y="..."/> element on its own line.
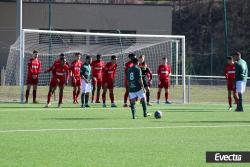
<point x="133" y="75"/>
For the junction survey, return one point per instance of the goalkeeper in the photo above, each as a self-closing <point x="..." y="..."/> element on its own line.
<point x="34" y="68"/>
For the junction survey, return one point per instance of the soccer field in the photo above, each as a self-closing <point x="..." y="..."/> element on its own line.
<point x="31" y="135"/>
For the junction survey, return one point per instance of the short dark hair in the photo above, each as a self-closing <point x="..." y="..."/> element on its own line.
<point x="35" y="51"/>
<point x="62" y="55"/>
<point x="131" y="55"/>
<point x="88" y="57"/>
<point x="135" y="60"/>
<point x="98" y="56"/>
<point x="113" y="57"/>
<point x="229" y="57"/>
<point x="164" y="58"/>
<point x="77" y="53"/>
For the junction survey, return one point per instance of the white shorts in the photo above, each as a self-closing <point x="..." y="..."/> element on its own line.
<point x="240" y="86"/>
<point x="86" y="87"/>
<point x="140" y="94"/>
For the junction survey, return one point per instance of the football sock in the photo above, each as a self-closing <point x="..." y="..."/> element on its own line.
<point x="49" y="97"/>
<point x="230" y="101"/>
<point x="60" y="97"/>
<point x="74" y="95"/>
<point x="240" y="101"/>
<point x="34" y="95"/>
<point x="98" y="94"/>
<point x="112" y="98"/>
<point x="86" y="98"/>
<point x="27" y="95"/>
<point x="236" y="99"/>
<point x="166" y="96"/>
<point x="103" y="98"/>
<point x="132" y="106"/>
<point x="77" y="93"/>
<point x="93" y="94"/>
<point x="144" y="107"/>
<point x="83" y="98"/>
<point x="158" y="95"/>
<point x="147" y="96"/>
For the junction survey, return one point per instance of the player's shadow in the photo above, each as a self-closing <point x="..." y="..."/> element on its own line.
<point x="75" y="119"/>
<point x="247" y="122"/>
<point x="190" y="110"/>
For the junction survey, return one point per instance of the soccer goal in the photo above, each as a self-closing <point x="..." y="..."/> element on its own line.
<point x="50" y="44"/>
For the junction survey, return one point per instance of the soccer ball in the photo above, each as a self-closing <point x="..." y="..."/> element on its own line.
<point x="158" y="114"/>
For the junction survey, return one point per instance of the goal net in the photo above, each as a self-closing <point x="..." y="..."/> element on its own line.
<point x="50" y="44"/>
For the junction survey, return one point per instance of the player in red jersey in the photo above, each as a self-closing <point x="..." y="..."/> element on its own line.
<point x="129" y="64"/>
<point x="97" y="67"/>
<point x="141" y="60"/>
<point x="34" y="68"/>
<point x="60" y="71"/>
<point x="230" y="76"/>
<point x="164" y="71"/>
<point x="76" y="77"/>
<point x="147" y="80"/>
<point x="109" y="72"/>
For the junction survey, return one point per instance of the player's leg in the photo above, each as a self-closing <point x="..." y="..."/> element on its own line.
<point x="159" y="94"/>
<point x="126" y="94"/>
<point x="74" y="93"/>
<point x="141" y="95"/>
<point x="148" y="95"/>
<point x="240" y="90"/>
<point x="229" y="97"/>
<point x="98" y="91"/>
<point x="112" y="97"/>
<point x="52" y="87"/>
<point x="93" y="90"/>
<point x="132" y="105"/>
<point x="167" y="95"/>
<point x="88" y="91"/>
<point x="34" y="93"/>
<point x="236" y="99"/>
<point x="104" y="91"/>
<point x="78" y="91"/>
<point x="84" y="86"/>
<point x="61" y="87"/>
<point x="27" y="93"/>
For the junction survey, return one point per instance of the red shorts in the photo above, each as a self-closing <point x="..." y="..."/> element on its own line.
<point x="164" y="84"/>
<point x="231" y="85"/>
<point x="76" y="82"/>
<point x="109" y="84"/>
<point x="97" y="81"/>
<point x="57" y="81"/>
<point x="31" y="81"/>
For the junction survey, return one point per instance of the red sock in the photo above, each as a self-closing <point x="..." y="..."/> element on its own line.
<point x="60" y="97"/>
<point x="112" y="98"/>
<point x="166" y="96"/>
<point x="126" y="96"/>
<point x="230" y="101"/>
<point x="74" y="95"/>
<point x="34" y="95"/>
<point x="103" y="97"/>
<point x="98" y="95"/>
<point x="49" y="97"/>
<point x="158" y="95"/>
<point x="27" y="95"/>
<point x="77" y="94"/>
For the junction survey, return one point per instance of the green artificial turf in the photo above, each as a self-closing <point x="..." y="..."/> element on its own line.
<point x="31" y="135"/>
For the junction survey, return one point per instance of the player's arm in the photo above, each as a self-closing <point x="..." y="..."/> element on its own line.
<point x="226" y="73"/>
<point x="150" y="75"/>
<point x="50" y="69"/>
<point x="39" y="67"/>
<point x="140" y="80"/>
<point x="82" y="74"/>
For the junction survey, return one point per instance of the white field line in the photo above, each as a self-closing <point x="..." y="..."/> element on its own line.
<point x="128" y="128"/>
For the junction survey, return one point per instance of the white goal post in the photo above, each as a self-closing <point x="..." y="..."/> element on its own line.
<point x="50" y="44"/>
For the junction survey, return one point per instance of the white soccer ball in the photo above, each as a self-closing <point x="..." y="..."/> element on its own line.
<point x="158" y="114"/>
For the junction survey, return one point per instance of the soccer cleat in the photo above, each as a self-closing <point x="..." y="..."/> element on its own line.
<point x="82" y="106"/>
<point x="149" y="104"/>
<point x="47" y="105"/>
<point x="134" y="117"/>
<point x="104" y="105"/>
<point x="168" y="102"/>
<point x="113" y="105"/>
<point x="87" y="106"/>
<point x="97" y="101"/>
<point x="125" y="105"/>
<point x="35" y="102"/>
<point x="158" y="101"/>
<point x="59" y="105"/>
<point x="147" y="114"/>
<point x="230" y="108"/>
